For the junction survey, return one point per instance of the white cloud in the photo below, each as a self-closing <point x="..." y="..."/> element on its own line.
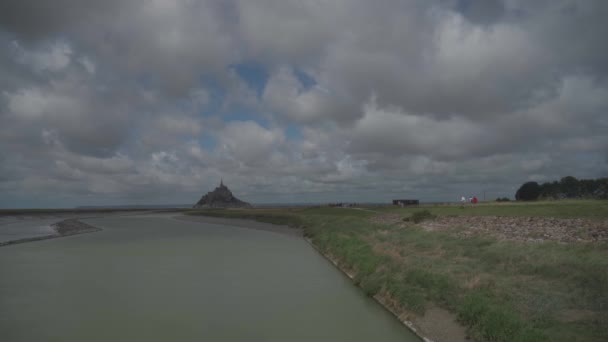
<point x="88" y="64"/>
<point x="33" y="103"/>
<point x="178" y="125"/>
<point x="55" y="57"/>
<point x="394" y="132"/>
<point x="286" y="95"/>
<point x="248" y="142"/>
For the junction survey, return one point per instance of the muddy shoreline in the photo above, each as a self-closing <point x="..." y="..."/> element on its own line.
<point x="62" y="228"/>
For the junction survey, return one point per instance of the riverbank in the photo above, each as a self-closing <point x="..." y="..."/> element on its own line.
<point x="500" y="290"/>
<point x="436" y="326"/>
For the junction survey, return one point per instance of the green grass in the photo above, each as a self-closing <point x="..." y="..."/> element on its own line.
<point x="500" y="290"/>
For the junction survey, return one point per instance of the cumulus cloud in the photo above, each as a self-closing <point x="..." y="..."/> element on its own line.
<point x="287" y="96"/>
<point x="298" y="101"/>
<point x="248" y="142"/>
<point x="55" y="57"/>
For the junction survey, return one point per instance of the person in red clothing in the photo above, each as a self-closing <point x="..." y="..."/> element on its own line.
<point x="474" y="200"/>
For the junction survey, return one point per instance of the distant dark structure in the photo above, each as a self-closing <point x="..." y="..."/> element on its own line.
<point x="221" y="197"/>
<point x="404" y="202"/>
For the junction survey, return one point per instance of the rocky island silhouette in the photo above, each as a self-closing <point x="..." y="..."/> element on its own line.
<point x="221" y="197"/>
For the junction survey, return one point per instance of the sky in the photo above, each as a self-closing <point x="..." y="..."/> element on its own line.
<point x="154" y="101"/>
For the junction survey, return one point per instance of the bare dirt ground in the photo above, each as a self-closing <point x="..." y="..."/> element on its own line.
<point x="526" y="229"/>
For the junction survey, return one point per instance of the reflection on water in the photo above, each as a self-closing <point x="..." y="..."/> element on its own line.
<point x="159" y="279"/>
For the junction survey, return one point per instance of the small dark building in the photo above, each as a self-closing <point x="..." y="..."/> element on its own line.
<point x="402" y="202"/>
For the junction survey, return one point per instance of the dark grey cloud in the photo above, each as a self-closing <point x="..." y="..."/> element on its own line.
<point x="36" y="20"/>
<point x="482" y="12"/>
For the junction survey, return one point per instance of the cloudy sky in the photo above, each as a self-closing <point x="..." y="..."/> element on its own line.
<point x="153" y="101"/>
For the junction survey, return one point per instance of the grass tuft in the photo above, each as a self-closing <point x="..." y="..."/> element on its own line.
<point x="419" y="216"/>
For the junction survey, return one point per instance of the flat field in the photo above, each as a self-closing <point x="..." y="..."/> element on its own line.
<point x="499" y="289"/>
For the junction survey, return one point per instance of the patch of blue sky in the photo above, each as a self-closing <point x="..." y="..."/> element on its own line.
<point x="306" y="81"/>
<point x="293" y="132"/>
<point x="254" y="74"/>
<point x="216" y="96"/>
<point x="208" y="142"/>
<point x="245" y="115"/>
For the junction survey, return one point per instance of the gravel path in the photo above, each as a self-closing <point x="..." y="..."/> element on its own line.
<point x="527" y="229"/>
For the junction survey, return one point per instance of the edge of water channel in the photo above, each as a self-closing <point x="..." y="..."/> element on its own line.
<point x="409" y="324"/>
<point x="283" y="229"/>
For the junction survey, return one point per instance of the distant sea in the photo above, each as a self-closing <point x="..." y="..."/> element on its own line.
<point x="136" y="206"/>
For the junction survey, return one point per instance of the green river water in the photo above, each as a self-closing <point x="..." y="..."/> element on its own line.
<point x="155" y="278"/>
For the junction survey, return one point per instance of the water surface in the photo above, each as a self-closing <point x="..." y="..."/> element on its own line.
<point x="154" y="278"/>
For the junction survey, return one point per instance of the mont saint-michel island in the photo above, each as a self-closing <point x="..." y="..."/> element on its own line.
<point x="281" y="170"/>
<point x="221" y="197"/>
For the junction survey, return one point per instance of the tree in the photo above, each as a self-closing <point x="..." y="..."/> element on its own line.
<point x="528" y="192"/>
<point x="569" y="185"/>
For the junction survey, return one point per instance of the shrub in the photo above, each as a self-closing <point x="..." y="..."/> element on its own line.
<point x="420" y="216"/>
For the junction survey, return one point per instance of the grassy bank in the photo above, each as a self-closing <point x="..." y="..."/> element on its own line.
<point x="501" y="290"/>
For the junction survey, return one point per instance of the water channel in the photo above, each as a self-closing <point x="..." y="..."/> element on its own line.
<point x="157" y="278"/>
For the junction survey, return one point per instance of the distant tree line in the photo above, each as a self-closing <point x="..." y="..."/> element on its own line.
<point x="567" y="187"/>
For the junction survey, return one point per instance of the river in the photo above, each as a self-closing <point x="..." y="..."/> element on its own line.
<point x="156" y="278"/>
